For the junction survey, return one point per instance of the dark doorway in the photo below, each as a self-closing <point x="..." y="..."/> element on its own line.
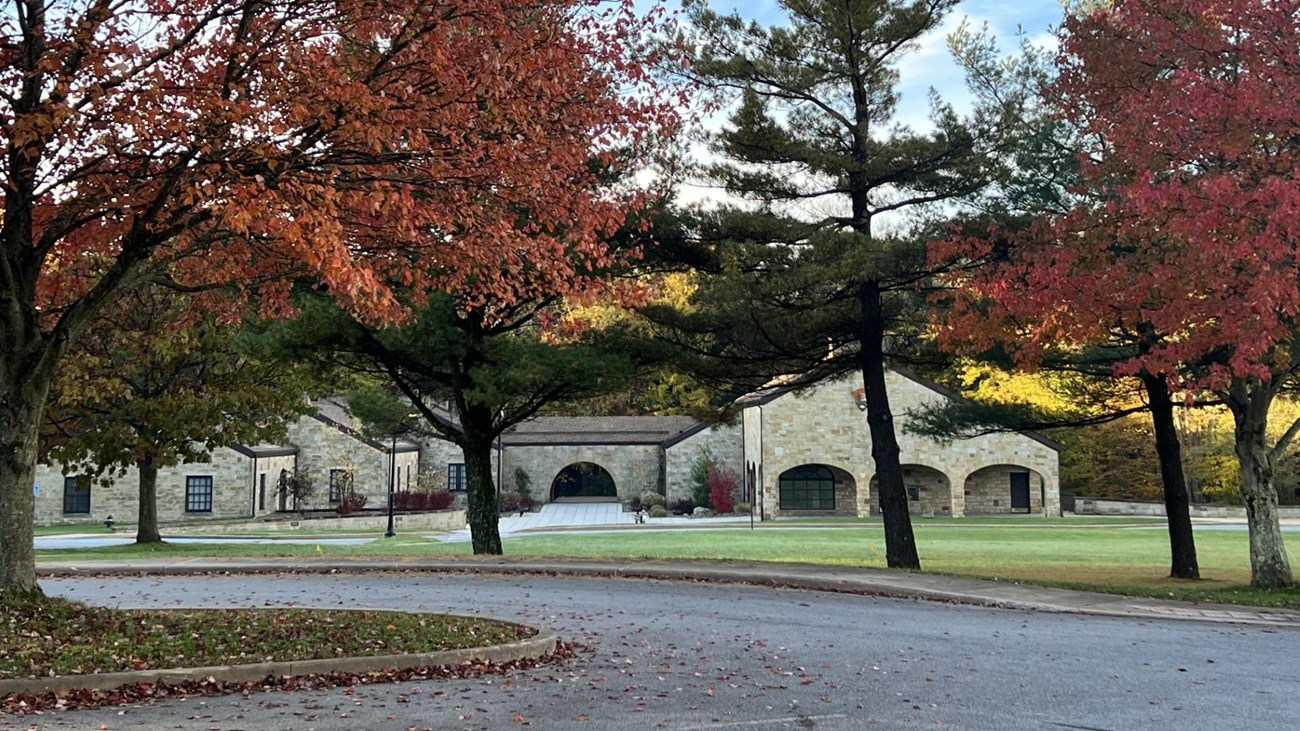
<point x="584" y="479"/>
<point x="1020" y="491"/>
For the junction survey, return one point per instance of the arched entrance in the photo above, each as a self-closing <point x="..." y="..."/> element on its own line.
<point x="815" y="488"/>
<point x="928" y="491"/>
<point x="583" y="480"/>
<point x="1005" y="488"/>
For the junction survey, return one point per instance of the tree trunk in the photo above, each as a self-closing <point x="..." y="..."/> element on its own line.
<point x="482" y="515"/>
<point x="1269" y="566"/>
<point x="1182" y="544"/>
<point x="147" y="529"/>
<point x="900" y="543"/>
<point x="21" y="405"/>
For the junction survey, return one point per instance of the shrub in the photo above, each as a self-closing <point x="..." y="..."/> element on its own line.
<point x="650" y="499"/>
<point x="422" y="499"/>
<point x="743" y="508"/>
<point x="526" y="503"/>
<point x="658" y="511"/>
<point x="509" y="502"/>
<point x="704" y="461"/>
<point x="351" y="503"/>
<point x="724" y="485"/>
<point x="440" y="499"/>
<point x="685" y="506"/>
<point x="523" y="483"/>
<point x="635" y="503"/>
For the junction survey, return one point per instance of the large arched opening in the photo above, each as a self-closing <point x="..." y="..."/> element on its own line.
<point x="929" y="493"/>
<point x="815" y="488"/>
<point x="583" y="481"/>
<point x="1004" y="488"/>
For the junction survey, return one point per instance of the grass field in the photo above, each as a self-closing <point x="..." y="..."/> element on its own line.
<point x="1128" y="557"/>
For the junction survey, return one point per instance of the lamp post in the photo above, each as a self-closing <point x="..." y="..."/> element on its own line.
<point x="392" y="473"/>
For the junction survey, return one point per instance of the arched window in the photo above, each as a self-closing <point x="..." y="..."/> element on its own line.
<point x="809" y="487"/>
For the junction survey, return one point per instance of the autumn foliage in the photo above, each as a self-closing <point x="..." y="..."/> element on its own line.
<point x="1182" y="241"/>
<point x="1185" y="223"/>
<point x="366" y="146"/>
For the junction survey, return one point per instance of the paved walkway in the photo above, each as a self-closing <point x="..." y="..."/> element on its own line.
<point x="805" y="576"/>
<point x="582" y="516"/>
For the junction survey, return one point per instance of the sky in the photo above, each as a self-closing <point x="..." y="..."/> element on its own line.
<point x="931" y="65"/>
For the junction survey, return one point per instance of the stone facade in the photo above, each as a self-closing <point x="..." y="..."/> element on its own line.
<point x="823" y="425"/>
<point x="819" y="431"/>
<point x="634" y="467"/>
<point x="327" y="446"/>
<point x="723" y="441"/>
<point x="229" y="473"/>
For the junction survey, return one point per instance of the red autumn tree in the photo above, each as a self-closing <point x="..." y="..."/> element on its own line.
<point x="352" y="142"/>
<point x="1186" y="233"/>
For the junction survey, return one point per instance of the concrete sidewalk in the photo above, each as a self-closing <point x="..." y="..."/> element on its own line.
<point x="876" y="582"/>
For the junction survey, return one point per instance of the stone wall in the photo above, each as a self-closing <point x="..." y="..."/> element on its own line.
<point x="929" y="494"/>
<point x="823" y="425"/>
<point x="323" y="447"/>
<point x="723" y="440"/>
<point x="232" y="494"/>
<point x="267" y="485"/>
<point x="439" y="520"/>
<point x="635" y="468"/>
<point x="988" y="491"/>
<point x="1094" y="506"/>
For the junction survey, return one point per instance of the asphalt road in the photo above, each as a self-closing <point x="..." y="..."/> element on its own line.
<point x="702" y="656"/>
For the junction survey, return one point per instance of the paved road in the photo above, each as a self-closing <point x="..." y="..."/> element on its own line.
<point x="703" y="656"/>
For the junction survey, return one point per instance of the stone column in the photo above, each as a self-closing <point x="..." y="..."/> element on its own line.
<point x="957" y="489"/>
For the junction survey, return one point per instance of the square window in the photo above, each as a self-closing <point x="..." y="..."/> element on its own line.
<point x="456" y="477"/>
<point x="913" y="493"/>
<point x="198" y="493"/>
<point x="76" y="495"/>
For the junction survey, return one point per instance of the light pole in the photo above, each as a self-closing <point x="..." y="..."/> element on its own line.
<point x="392" y="473"/>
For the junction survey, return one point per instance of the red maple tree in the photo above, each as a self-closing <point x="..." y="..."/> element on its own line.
<point x="427" y="144"/>
<point x="1185" y="234"/>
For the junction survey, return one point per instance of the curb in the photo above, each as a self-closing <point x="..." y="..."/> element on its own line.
<point x="542" y="643"/>
<point x="979" y="593"/>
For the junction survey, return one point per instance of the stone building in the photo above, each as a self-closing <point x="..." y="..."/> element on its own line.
<point x="804" y="452"/>
<point x="809" y="453"/>
<point x="592" y="457"/>
<point x="236" y="482"/>
<point x="240" y="481"/>
<point x="337" y="458"/>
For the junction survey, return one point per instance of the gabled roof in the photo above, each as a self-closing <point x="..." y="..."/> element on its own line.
<point x="597" y="430"/>
<point x="265" y="449"/>
<point x="771" y="393"/>
<point x="332" y="413"/>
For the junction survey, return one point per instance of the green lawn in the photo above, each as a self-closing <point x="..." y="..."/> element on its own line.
<point x="60" y="530"/>
<point x="1116" y="558"/>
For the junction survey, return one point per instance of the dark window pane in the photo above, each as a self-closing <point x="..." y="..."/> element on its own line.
<point x="810" y="487"/>
<point x="198" y="494"/>
<point x="456" y="476"/>
<point x="76" y="495"/>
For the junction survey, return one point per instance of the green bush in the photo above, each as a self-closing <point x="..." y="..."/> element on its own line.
<point x="658" y="511"/>
<point x="650" y="499"/>
<point x="704" y="461"/>
<point x="743" y="508"/>
<point x="523" y="483"/>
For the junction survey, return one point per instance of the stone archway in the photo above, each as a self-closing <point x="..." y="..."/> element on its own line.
<point x="583" y="480"/>
<point x="929" y="492"/>
<point x="1004" y="488"/>
<point x="815" y="488"/>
